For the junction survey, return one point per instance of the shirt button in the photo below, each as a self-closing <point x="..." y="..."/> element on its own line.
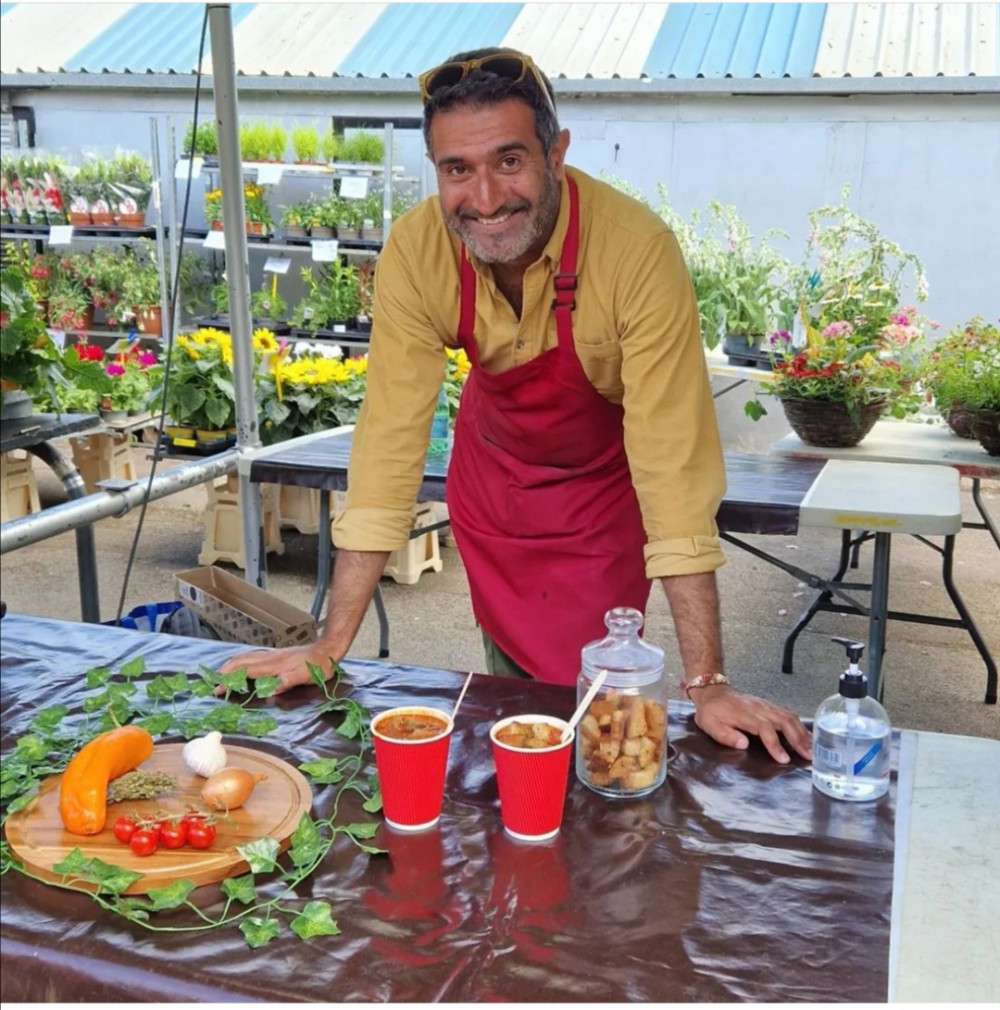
<point x="520" y="344"/>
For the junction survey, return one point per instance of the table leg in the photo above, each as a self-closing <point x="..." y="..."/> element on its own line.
<point x="324" y="547"/>
<point x="86" y="550"/>
<point x="383" y="624"/>
<point x="877" y="617"/>
<point x="988" y="523"/>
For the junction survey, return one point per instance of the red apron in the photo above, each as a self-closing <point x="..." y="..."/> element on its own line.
<point x="540" y="496"/>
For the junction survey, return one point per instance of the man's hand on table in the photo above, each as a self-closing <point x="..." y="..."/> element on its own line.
<point x="288" y="664"/>
<point x="728" y="716"/>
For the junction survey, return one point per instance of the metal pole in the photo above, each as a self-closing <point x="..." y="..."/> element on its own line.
<point x="387" y="183"/>
<point x="166" y="323"/>
<point x="237" y="274"/>
<point x="79" y="513"/>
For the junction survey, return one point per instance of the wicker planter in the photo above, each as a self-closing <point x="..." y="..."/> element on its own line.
<point x="986" y="427"/>
<point x="829" y="424"/>
<point x="960" y="420"/>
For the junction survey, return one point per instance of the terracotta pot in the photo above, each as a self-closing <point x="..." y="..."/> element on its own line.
<point x="147" y="320"/>
<point x="216" y="224"/>
<point x="137" y="220"/>
<point x="829" y="424"/>
<point x="80" y="220"/>
<point x="255" y="228"/>
<point x="102" y="219"/>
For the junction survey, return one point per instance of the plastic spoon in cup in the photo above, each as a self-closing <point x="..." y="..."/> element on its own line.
<point x="465" y="687"/>
<point x="582" y="707"/>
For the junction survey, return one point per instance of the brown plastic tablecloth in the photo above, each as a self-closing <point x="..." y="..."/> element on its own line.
<point x="734" y="882"/>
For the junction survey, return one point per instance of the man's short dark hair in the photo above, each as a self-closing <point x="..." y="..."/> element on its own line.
<point x="482" y="88"/>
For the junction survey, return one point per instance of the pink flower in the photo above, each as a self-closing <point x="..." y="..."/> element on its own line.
<point x="840" y="328"/>
<point x="115" y="369"/>
<point x="146" y="359"/>
<point x="781" y="336"/>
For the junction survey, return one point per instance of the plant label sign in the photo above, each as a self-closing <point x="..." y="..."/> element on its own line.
<point x="60" y="234"/>
<point x="354" y="187"/>
<point x="324" y="250"/>
<point x="277" y="265"/>
<point x="185" y="165"/>
<point x="215" y="240"/>
<point x="269" y="174"/>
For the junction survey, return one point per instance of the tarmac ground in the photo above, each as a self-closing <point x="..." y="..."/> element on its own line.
<point x="934" y="677"/>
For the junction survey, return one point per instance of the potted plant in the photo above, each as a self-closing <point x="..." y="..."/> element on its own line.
<point x="213" y="208"/>
<point x="258" y="214"/>
<point x="277" y="140"/>
<point x="267" y="307"/>
<point x="139" y="298"/>
<point x="205" y="142"/>
<point x="200" y="396"/>
<point x="129" y="386"/>
<point x="305" y="143"/>
<point x="132" y="186"/>
<point x="331" y="144"/>
<point x="363" y="147"/>
<point x="331" y="301"/>
<point x="369" y="212"/>
<point x="951" y="371"/>
<point x="295" y="219"/>
<point x="29" y="360"/>
<point x="254" y="141"/>
<point x="70" y="306"/>
<point x="366" y="294"/>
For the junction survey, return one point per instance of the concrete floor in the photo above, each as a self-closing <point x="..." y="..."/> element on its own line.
<point x="934" y="678"/>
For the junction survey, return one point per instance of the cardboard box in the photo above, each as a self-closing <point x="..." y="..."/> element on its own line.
<point x="241" y="612"/>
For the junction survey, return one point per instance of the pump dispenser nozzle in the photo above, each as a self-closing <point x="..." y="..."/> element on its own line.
<point x="853" y="683"/>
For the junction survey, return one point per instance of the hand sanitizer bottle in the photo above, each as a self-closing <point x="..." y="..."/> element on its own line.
<point x="851" y="738"/>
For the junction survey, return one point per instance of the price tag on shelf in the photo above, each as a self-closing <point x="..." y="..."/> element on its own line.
<point x="183" y="166"/>
<point x="215" y="240"/>
<point x="354" y="187"/>
<point x="324" y="250"/>
<point x="269" y="174"/>
<point x="277" y="265"/>
<point x="60" y="234"/>
<point x="339" y="328"/>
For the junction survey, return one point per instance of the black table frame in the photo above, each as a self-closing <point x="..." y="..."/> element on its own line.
<point x="35" y="434"/>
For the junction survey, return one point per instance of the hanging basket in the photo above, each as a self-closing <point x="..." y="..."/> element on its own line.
<point x="986" y="428"/>
<point x="828" y="423"/>
<point x="959" y="420"/>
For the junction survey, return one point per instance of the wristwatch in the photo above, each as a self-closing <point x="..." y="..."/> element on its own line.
<point x="703" y="680"/>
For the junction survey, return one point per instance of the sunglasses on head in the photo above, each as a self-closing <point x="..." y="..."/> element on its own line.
<point x="512" y="66"/>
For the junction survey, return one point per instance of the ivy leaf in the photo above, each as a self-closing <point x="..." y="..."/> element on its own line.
<point x="21" y="801"/>
<point x="170" y="896"/>
<point x="73" y="863"/>
<point x="164" y="688"/>
<point x="307" y="843"/>
<point x="353" y="722"/>
<point x="107" y="876"/>
<point x="261" y="854"/>
<point x="32" y="748"/>
<point x="323" y="771"/>
<point x="316" y="674"/>
<point x="373" y="804"/>
<point x="264" y="687"/>
<point x="754" y="409"/>
<point x="366" y="830"/>
<point x="372" y="850"/>
<point x="258" y="725"/>
<point x="46" y="720"/>
<point x="156" y="724"/>
<point x="95" y="702"/>
<point x="209" y="675"/>
<point x="257" y="932"/>
<point x="314" y="920"/>
<point x="201" y="688"/>
<point x="240" y="889"/>
<point x="235" y="681"/>
<point x="133" y="668"/>
<point x="97" y="677"/>
<point x="225" y="717"/>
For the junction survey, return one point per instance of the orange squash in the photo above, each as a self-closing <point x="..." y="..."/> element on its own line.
<point x="83" y="792"/>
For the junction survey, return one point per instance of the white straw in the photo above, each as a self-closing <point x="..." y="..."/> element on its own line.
<point x="465" y="687"/>
<point x="582" y="707"/>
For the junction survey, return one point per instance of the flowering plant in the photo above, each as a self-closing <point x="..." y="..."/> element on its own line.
<point x="28" y="357"/>
<point x="963" y="369"/>
<point x="213" y="205"/>
<point x="256" y="207"/>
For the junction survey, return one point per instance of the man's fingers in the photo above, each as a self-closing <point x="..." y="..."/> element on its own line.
<point x="723" y="733"/>
<point x="769" y="738"/>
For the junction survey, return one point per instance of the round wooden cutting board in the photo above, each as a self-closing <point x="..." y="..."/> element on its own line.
<point x="38" y="838"/>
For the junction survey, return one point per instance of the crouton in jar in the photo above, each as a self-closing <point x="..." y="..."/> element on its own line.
<point x="621" y="741"/>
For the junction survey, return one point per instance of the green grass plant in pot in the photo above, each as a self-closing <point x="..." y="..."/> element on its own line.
<point x="305" y="144"/>
<point x="277" y="141"/>
<point x="331" y="145"/>
<point x="363" y="147"/>
<point x="331" y="298"/>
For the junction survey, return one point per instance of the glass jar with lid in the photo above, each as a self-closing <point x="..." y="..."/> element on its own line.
<point x="621" y="741"/>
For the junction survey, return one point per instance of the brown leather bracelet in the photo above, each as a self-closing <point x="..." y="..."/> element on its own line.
<point x="703" y="680"/>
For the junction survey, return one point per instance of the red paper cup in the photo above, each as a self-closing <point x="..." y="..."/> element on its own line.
<point x="531" y="783"/>
<point x="411" y="772"/>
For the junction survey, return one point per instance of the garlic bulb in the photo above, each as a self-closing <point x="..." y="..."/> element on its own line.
<point x="205" y="755"/>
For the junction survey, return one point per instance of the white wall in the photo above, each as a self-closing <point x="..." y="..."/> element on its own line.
<point x="926" y="169"/>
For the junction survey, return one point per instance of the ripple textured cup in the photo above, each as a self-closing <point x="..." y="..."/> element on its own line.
<point x="411" y="772"/>
<point x="532" y="782"/>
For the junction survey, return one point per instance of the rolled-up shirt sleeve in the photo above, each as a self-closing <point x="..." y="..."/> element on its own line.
<point x="406" y="363"/>
<point x="671" y="434"/>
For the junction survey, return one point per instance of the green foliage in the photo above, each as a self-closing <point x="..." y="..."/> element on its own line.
<point x="27" y="353"/>
<point x="206" y="142"/>
<point x="331" y="144"/>
<point x="255" y="141"/>
<point x="267" y="303"/>
<point x="277" y="140"/>
<point x="363" y="147"/>
<point x="964" y="367"/>
<point x="332" y="296"/>
<point x="305" y="143"/>
<point x="256" y="903"/>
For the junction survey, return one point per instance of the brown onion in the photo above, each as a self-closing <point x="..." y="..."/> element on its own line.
<point x="230" y="788"/>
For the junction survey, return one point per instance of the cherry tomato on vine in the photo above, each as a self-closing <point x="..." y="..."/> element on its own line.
<point x="123" y="829"/>
<point x="201" y="834"/>
<point x="143" y="842"/>
<point x="173" y="834"/>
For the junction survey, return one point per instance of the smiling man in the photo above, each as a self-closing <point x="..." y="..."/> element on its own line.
<point x="587" y="461"/>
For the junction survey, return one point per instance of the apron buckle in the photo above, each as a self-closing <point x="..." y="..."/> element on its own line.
<point x="565" y="285"/>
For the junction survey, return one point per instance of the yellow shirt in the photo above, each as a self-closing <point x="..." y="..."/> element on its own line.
<point x="636" y="333"/>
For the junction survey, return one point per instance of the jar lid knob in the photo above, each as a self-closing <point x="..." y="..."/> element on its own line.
<point x="623" y="621"/>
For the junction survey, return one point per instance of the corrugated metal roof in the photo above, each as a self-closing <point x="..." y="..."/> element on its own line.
<point x="918" y="40"/>
<point x="571" y="40"/>
<point x="408" y="38"/>
<point x="156" y="37"/>
<point x="45" y="36"/>
<point x="737" y="40"/>
<point x="300" y="39"/>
